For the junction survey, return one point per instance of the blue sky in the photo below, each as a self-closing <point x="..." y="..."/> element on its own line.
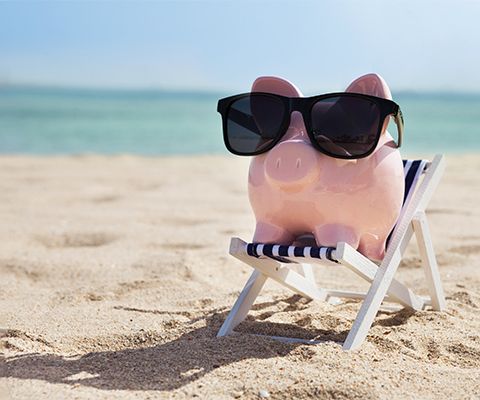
<point x="220" y="45"/>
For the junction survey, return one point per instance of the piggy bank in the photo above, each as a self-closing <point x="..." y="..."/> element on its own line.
<point x="295" y="190"/>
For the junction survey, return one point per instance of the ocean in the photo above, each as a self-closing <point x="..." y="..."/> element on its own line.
<point x="49" y="121"/>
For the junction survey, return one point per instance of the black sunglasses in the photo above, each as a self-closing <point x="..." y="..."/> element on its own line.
<point x="341" y="125"/>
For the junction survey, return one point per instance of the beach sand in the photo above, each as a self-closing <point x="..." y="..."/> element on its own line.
<point x="115" y="277"/>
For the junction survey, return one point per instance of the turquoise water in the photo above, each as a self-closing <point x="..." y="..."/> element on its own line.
<point x="72" y="121"/>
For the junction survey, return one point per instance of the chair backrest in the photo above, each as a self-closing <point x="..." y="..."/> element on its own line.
<point x="413" y="170"/>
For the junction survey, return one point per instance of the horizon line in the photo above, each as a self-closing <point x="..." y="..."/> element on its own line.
<point x="197" y="90"/>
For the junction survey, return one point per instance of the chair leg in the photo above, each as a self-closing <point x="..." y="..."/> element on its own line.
<point x="307" y="271"/>
<point x="365" y="268"/>
<point x="244" y="302"/>
<point x="429" y="262"/>
<point x="371" y="304"/>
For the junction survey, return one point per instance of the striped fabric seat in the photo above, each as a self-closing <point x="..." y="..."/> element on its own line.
<point x="412" y="169"/>
<point x="280" y="252"/>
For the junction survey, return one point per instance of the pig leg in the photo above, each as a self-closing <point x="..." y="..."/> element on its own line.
<point x="372" y="247"/>
<point x="269" y="233"/>
<point x="330" y="234"/>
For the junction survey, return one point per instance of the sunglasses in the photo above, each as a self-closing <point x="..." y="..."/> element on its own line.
<point x="341" y="125"/>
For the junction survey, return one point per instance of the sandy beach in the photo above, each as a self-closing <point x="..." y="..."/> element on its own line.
<point x="115" y="277"/>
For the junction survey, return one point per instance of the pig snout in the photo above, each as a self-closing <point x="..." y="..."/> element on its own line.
<point x="292" y="165"/>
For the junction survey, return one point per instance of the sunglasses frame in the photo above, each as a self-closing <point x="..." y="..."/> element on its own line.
<point x="304" y="105"/>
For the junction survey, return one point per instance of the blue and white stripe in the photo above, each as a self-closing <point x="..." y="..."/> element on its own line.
<point x="282" y="252"/>
<point x="412" y="170"/>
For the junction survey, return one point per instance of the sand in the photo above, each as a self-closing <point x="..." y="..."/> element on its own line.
<point x="115" y="278"/>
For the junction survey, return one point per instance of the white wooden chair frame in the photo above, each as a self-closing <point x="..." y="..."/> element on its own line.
<point x="383" y="285"/>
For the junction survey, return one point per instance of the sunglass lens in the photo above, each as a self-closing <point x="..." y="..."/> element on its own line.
<point x="253" y="123"/>
<point x="345" y="126"/>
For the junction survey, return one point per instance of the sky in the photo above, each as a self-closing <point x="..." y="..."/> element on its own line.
<point x="224" y="45"/>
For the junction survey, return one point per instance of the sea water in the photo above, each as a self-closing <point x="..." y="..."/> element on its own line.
<point x="149" y="122"/>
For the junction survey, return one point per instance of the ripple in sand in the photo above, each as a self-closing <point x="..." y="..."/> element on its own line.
<point x="384" y="344"/>
<point x="466" y="249"/>
<point x="137" y="340"/>
<point x="463" y="298"/>
<point x="186" y="221"/>
<point x="17" y="340"/>
<point x="76" y="239"/>
<point x="182" y="246"/>
<point x="341" y="391"/>
<point x="411" y="262"/>
<point x="22" y="269"/>
<point x="447" y="211"/>
<point x="105" y="199"/>
<point x="463" y="355"/>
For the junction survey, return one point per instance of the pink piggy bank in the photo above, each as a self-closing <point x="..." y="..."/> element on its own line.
<point x="295" y="190"/>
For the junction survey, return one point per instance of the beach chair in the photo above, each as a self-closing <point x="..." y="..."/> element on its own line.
<point x="276" y="262"/>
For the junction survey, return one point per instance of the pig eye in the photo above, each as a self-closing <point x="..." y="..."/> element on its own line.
<point x="345" y="126"/>
<point x="254" y="123"/>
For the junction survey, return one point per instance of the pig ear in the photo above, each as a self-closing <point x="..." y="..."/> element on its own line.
<point x="372" y="84"/>
<point x="273" y="84"/>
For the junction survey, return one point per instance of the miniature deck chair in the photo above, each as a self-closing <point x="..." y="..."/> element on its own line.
<point x="274" y="261"/>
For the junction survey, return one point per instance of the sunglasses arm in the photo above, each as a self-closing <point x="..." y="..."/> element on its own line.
<point x="398" y="116"/>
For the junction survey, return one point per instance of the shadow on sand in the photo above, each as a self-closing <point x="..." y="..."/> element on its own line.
<point x="166" y="366"/>
<point x="171" y="365"/>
